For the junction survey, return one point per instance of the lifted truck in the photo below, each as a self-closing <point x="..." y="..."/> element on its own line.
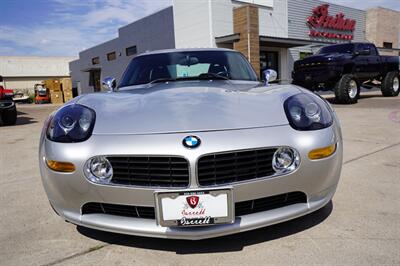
<point x="8" y="110"/>
<point x="344" y="68"/>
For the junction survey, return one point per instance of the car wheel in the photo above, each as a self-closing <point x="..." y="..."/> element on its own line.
<point x="9" y="116"/>
<point x="347" y="90"/>
<point x="390" y="85"/>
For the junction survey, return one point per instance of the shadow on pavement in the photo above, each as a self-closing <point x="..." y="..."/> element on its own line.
<point x="221" y="244"/>
<point x="332" y="100"/>
<point x="23" y="119"/>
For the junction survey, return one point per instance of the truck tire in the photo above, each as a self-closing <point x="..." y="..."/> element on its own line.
<point x="9" y="116"/>
<point x="390" y="85"/>
<point x="347" y="90"/>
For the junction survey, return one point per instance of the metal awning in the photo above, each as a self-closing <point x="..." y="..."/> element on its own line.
<point x="90" y="69"/>
<point x="228" y="38"/>
<point x="287" y="42"/>
<point x="271" y="41"/>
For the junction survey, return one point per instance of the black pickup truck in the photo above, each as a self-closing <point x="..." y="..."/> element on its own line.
<point x="345" y="67"/>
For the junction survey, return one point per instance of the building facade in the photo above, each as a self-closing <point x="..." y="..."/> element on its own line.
<point x="383" y="29"/>
<point x="270" y="33"/>
<point x="21" y="73"/>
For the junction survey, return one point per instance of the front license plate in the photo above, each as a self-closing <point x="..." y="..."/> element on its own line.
<point x="194" y="207"/>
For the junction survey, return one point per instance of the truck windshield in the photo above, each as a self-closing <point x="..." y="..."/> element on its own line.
<point x="339" y="48"/>
<point x="187" y="65"/>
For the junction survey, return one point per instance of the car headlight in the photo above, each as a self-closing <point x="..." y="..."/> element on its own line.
<point x="72" y="123"/>
<point x="307" y="112"/>
<point x="99" y="170"/>
<point x="285" y="160"/>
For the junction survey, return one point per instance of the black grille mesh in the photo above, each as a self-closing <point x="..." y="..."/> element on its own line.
<point x="150" y="171"/>
<point x="223" y="168"/>
<point x="269" y="203"/>
<point x="119" y="210"/>
<point x="241" y="208"/>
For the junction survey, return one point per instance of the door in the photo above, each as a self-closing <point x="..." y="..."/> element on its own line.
<point x="94" y="79"/>
<point x="269" y="60"/>
<point x="368" y="64"/>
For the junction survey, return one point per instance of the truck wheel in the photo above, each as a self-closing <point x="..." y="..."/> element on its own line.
<point x="390" y="84"/>
<point x="347" y="90"/>
<point x="9" y="116"/>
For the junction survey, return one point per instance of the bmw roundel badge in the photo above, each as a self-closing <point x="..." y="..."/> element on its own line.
<point x="191" y="142"/>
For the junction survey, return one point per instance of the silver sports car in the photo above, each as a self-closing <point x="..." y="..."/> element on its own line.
<point x="190" y="145"/>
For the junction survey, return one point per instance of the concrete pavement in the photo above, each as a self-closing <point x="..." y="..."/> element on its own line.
<point x="361" y="226"/>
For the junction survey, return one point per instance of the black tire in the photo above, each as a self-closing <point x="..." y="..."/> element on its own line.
<point x="9" y="116"/>
<point x="388" y="87"/>
<point x="343" y="91"/>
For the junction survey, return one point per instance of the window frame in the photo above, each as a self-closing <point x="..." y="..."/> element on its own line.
<point x="388" y="45"/>
<point x="96" y="60"/>
<point x="128" y="53"/>
<point x="111" y="54"/>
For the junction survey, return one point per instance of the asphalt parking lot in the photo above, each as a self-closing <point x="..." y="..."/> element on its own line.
<point x="360" y="226"/>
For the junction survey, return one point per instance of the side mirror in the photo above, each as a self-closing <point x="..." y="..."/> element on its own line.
<point x="270" y="75"/>
<point x="109" y="83"/>
<point x="1" y="78"/>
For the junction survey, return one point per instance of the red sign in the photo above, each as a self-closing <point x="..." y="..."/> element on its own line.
<point x="192" y="201"/>
<point x="320" y="21"/>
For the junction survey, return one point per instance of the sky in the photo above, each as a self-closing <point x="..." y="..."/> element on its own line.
<point x="65" y="27"/>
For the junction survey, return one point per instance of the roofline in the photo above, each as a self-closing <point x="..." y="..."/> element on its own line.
<point x="37" y="57"/>
<point x="176" y="50"/>
<point x="381" y="7"/>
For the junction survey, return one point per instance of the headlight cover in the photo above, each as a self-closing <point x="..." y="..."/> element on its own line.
<point x="72" y="123"/>
<point x="307" y="112"/>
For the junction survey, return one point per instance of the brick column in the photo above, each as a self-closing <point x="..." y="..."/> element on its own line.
<point x="245" y="22"/>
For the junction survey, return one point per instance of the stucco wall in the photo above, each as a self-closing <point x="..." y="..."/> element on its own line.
<point x="32" y="66"/>
<point x="153" y="32"/>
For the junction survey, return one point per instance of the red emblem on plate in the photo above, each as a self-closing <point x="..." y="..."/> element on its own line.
<point x="192" y="201"/>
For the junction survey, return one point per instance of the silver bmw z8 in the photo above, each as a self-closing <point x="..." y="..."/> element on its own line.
<point x="190" y="145"/>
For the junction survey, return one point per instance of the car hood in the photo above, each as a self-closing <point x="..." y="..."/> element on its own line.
<point x="189" y="106"/>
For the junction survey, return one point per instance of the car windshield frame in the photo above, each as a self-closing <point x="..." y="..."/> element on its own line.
<point x="345" y="48"/>
<point x="187" y="65"/>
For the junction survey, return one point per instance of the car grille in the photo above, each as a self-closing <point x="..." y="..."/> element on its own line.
<point x="119" y="210"/>
<point x="150" y="171"/>
<point x="269" y="203"/>
<point x="229" y="167"/>
<point x="241" y="208"/>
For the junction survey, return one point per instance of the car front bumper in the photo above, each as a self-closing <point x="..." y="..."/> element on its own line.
<point x="68" y="192"/>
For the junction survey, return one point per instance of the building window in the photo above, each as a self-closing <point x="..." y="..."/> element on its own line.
<point x="387" y="45"/>
<point x="111" y="56"/>
<point x="131" y="50"/>
<point x="304" y="55"/>
<point x="95" y="60"/>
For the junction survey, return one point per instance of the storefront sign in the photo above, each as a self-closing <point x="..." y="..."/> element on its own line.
<point x="322" y="24"/>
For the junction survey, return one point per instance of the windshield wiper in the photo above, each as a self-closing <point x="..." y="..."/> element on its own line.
<point x="211" y="76"/>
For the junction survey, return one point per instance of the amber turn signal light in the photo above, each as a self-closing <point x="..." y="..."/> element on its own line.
<point x="322" y="152"/>
<point x="60" y="166"/>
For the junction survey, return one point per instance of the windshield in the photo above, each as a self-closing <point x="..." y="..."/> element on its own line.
<point x="340" y="48"/>
<point x="187" y="65"/>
